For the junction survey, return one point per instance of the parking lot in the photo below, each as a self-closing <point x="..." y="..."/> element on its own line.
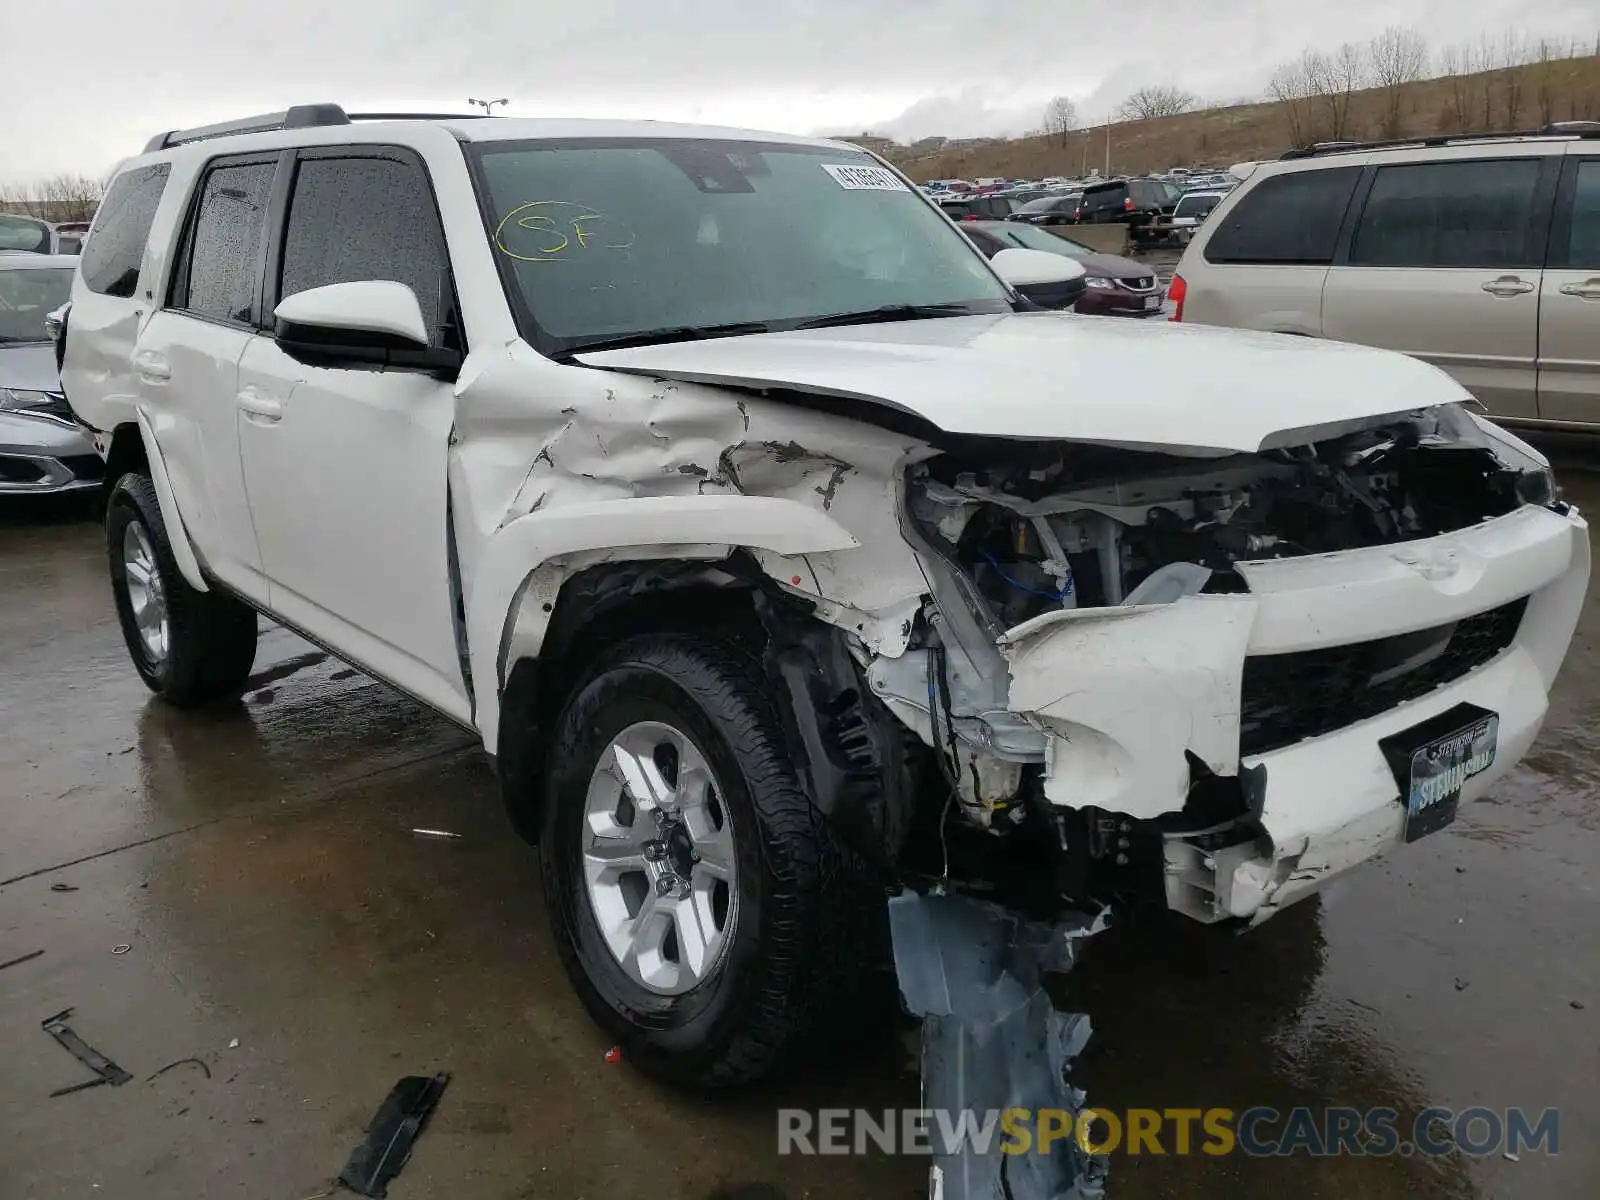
<point x="246" y="890"/>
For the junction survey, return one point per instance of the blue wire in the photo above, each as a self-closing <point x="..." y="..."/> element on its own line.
<point x="1025" y="587"/>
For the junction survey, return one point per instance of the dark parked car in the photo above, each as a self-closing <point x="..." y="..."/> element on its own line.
<point x="979" y="208"/>
<point x="1060" y="209"/>
<point x="1114" y="286"/>
<point x="1140" y="204"/>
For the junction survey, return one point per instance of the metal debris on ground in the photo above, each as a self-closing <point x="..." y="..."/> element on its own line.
<point x="437" y="835"/>
<point x="62" y="887"/>
<point x="121" y="948"/>
<point x="394" y="1128"/>
<point x="20" y="959"/>
<point x="180" y="1062"/>
<point x="991" y="1040"/>
<point x="105" y="1070"/>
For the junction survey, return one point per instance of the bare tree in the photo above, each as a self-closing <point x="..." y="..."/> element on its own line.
<point x="1544" y="79"/>
<point x="1060" y="119"/>
<point x="63" y="197"/>
<point x="1335" y="78"/>
<point x="1514" y="55"/>
<point x="1156" y="101"/>
<point x="1456" y="66"/>
<point x="1397" y="57"/>
<point x="1290" y="86"/>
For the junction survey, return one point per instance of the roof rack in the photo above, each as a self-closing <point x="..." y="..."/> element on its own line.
<point x="1578" y="129"/>
<point x="297" y="116"/>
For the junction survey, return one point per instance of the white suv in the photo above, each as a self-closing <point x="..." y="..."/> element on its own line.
<point x="1479" y="254"/>
<point x="777" y="550"/>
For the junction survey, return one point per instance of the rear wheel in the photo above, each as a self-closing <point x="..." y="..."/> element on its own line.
<point x="697" y="897"/>
<point x="190" y="647"/>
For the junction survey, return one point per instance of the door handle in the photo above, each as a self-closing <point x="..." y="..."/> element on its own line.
<point x="152" y="367"/>
<point x="1508" y="285"/>
<point x="1589" y="289"/>
<point x="253" y="402"/>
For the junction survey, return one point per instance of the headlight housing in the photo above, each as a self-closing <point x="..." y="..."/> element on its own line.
<point x="1100" y="283"/>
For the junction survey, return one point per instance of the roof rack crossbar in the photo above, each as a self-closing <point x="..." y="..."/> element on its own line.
<point x="416" y="116"/>
<point x="1555" y="129"/>
<point x="297" y="116"/>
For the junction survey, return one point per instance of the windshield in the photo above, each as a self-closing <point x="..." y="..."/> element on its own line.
<point x="1195" y="206"/>
<point x="23" y="233"/>
<point x="604" y="239"/>
<point x="1031" y="237"/>
<point x="27" y="297"/>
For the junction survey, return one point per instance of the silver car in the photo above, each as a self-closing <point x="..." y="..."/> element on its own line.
<point x="42" y="447"/>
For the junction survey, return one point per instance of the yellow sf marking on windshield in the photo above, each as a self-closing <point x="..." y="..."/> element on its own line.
<point x="546" y="223"/>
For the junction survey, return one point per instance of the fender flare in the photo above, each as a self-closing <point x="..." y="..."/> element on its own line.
<point x="182" y="551"/>
<point x="625" y="529"/>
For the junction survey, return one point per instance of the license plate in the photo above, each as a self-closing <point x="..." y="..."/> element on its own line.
<point x="1431" y="761"/>
<point x="1152" y="302"/>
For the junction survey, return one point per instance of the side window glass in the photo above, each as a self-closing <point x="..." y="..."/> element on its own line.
<point x="226" y="251"/>
<point x="111" y="258"/>
<point x="1291" y="218"/>
<point x="1448" y="214"/>
<point x="355" y="219"/>
<point x="1583" y="242"/>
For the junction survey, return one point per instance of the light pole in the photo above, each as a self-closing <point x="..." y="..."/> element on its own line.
<point x="486" y="105"/>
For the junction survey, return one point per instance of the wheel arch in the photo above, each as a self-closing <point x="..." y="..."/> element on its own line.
<point x="527" y="563"/>
<point x="133" y="448"/>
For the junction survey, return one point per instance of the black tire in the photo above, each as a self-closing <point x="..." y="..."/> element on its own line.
<point x="801" y="936"/>
<point x="211" y="638"/>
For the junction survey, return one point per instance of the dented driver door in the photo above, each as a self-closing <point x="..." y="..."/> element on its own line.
<point x="345" y="464"/>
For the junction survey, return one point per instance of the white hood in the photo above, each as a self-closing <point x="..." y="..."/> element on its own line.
<point x="1090" y="379"/>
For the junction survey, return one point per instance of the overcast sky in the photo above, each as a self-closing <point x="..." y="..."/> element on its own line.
<point x="88" y="81"/>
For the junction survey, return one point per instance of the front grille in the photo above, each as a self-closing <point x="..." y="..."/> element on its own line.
<point x="1138" y="283"/>
<point x="1290" y="697"/>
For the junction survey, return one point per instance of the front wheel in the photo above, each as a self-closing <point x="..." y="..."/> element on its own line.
<point x="190" y="647"/>
<point x="696" y="894"/>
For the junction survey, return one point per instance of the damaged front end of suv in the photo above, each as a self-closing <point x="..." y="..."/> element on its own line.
<point x="1068" y="672"/>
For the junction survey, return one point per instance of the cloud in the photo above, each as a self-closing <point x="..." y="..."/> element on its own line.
<point x="914" y="67"/>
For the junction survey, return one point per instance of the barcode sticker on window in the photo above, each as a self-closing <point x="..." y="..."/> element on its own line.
<point x="864" y="179"/>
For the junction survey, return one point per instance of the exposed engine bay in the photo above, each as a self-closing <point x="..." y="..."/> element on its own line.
<point x="1072" y="526"/>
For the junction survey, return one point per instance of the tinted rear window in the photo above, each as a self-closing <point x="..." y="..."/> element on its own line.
<point x="1290" y="218"/>
<point x="225" y="256"/>
<point x="1111" y="197"/>
<point x="1449" y="214"/>
<point x="111" y="258"/>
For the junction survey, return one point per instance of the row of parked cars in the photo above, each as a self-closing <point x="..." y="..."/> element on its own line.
<point x="1154" y="209"/>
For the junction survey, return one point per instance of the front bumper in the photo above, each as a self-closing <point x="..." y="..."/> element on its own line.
<point x="42" y="455"/>
<point x="1168" y="683"/>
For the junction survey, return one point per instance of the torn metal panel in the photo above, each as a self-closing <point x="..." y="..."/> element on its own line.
<point x="1125" y="692"/>
<point x="974" y="973"/>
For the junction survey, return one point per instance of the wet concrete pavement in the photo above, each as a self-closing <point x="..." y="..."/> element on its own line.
<point x="260" y="866"/>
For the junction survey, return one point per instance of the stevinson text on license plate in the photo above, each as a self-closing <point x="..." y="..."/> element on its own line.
<point x="1433" y="760"/>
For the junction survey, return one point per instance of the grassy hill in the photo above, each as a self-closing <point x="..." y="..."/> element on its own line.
<point x="1516" y="97"/>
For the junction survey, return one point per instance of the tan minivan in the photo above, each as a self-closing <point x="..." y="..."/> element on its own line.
<point x="1479" y="254"/>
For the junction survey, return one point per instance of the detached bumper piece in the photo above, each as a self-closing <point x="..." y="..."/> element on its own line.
<point x="105" y="1070"/>
<point x="973" y="973"/>
<point x="391" y="1134"/>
